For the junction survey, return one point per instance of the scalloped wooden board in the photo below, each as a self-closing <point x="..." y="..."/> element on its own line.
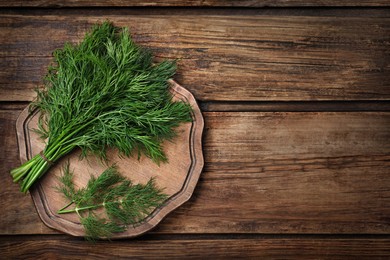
<point x="178" y="177"/>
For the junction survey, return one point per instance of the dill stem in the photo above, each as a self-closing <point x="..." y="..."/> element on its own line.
<point x="39" y="168"/>
<point x="78" y="209"/>
<point x="19" y="172"/>
<point x="70" y="203"/>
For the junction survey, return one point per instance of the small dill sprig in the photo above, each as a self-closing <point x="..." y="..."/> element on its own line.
<point x="104" y="92"/>
<point x="124" y="203"/>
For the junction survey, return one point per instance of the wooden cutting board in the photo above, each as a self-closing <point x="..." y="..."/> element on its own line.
<point x="178" y="177"/>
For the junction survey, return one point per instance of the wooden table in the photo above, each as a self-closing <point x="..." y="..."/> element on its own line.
<point x="295" y="96"/>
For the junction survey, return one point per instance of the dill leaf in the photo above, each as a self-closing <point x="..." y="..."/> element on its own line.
<point x="96" y="228"/>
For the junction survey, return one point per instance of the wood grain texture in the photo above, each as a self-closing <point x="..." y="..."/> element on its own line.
<point x="58" y="247"/>
<point x="222" y="57"/>
<point x="19" y="211"/>
<point x="272" y="178"/>
<point x="191" y="3"/>
<point x="266" y="173"/>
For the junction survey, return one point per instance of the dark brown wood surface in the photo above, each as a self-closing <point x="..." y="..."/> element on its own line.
<point x="297" y="126"/>
<point x="31" y="247"/>
<point x="192" y="3"/>
<point x="243" y="58"/>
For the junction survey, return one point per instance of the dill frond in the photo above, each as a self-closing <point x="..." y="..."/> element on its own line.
<point x="124" y="204"/>
<point x="104" y="92"/>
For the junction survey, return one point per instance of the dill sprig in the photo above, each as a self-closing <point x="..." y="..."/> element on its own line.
<point x="104" y="92"/>
<point x="124" y="204"/>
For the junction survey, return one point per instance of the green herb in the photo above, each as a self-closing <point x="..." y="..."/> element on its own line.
<point x="124" y="203"/>
<point x="104" y="92"/>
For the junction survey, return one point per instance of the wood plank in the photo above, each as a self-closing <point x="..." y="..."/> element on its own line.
<point x="271" y="248"/>
<point x="222" y="57"/>
<point x="189" y="3"/>
<point x="264" y="173"/>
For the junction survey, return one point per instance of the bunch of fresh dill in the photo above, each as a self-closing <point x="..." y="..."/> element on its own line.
<point x="104" y="92"/>
<point x="123" y="203"/>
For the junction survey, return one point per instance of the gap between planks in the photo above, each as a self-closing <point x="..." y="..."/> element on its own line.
<point x="206" y="236"/>
<point x="266" y="106"/>
<point x="186" y="3"/>
<point x="158" y="10"/>
<point x="295" y="106"/>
